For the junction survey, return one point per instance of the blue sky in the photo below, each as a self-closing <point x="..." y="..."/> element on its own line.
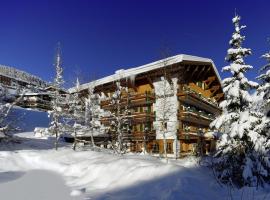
<point x="99" y="37"/>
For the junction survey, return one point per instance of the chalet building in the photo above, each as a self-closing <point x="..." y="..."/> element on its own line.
<point x="12" y="78"/>
<point x="193" y="100"/>
<point x="41" y="100"/>
<point x="14" y="83"/>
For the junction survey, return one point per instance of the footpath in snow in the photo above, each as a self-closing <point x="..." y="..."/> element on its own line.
<point x="34" y="166"/>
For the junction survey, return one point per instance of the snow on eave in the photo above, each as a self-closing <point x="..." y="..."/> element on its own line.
<point x="35" y="93"/>
<point x="126" y="73"/>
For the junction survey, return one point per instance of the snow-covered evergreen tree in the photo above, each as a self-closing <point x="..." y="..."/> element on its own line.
<point x="57" y="102"/>
<point x="92" y="112"/>
<point x="120" y="116"/>
<point x="6" y="124"/>
<point x="241" y="157"/>
<point x="76" y="107"/>
<point x="264" y="88"/>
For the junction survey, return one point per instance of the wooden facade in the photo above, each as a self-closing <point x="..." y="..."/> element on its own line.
<point x="198" y="94"/>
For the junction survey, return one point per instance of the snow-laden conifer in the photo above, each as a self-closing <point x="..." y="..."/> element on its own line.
<point x="120" y="117"/>
<point x="57" y="101"/>
<point x="92" y="112"/>
<point x="264" y="88"/>
<point x="76" y="107"/>
<point x="241" y="152"/>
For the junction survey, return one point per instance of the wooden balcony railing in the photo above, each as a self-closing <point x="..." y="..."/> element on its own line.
<point x="39" y="104"/>
<point x="144" y="136"/>
<point x="135" y="99"/>
<point x="193" y="129"/>
<point x="194" y="118"/>
<point x="187" y="136"/>
<point x="133" y="118"/>
<point x="195" y="99"/>
<point x="136" y="136"/>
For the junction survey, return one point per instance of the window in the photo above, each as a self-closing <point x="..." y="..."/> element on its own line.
<point x="141" y="127"/>
<point x="148" y="127"/>
<point x="135" y="128"/>
<point x="169" y="147"/>
<point x="165" y="125"/>
<point x="149" y="109"/>
<point x="155" y="148"/>
<point x="199" y="83"/>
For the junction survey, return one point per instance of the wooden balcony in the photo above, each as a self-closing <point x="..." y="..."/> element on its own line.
<point x="142" y="136"/>
<point x="194" y="118"/>
<point x="195" y="99"/>
<point x="135" y="99"/>
<point x="193" y="134"/>
<point x="187" y="136"/>
<point x="134" y="118"/>
<point x="39" y="104"/>
<point x="138" y="117"/>
<point x="136" y="136"/>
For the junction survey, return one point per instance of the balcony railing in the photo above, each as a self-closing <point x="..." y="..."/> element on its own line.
<point x="144" y="136"/>
<point x="191" y="97"/>
<point x="136" y="136"/>
<point x="133" y="118"/>
<point x="194" y="118"/>
<point x="134" y="99"/>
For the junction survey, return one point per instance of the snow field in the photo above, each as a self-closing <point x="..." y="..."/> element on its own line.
<point x="103" y="175"/>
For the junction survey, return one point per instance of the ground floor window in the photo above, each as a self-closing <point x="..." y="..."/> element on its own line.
<point x="155" y="148"/>
<point x="169" y="147"/>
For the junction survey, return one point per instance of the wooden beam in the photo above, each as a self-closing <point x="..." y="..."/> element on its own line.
<point x="181" y="76"/>
<point x="194" y="71"/>
<point x="198" y="75"/>
<point x="132" y="85"/>
<point x="149" y="79"/>
<point x="206" y="72"/>
<point x="210" y="80"/>
<point x="218" y="96"/>
<point x="214" y="89"/>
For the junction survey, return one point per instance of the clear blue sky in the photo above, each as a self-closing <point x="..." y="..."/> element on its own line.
<point x="99" y="37"/>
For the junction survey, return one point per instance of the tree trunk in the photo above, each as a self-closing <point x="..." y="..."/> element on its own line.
<point x="144" y="144"/>
<point x="56" y="135"/>
<point x="56" y="140"/>
<point x="165" y="145"/>
<point x="92" y="139"/>
<point x="75" y="140"/>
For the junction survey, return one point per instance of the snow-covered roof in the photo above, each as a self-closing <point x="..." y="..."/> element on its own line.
<point x="35" y="93"/>
<point x="132" y="72"/>
<point x="23" y="76"/>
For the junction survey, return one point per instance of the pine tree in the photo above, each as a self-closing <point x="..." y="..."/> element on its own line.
<point x="264" y="88"/>
<point x="241" y="152"/>
<point x="92" y="112"/>
<point x="57" y="102"/>
<point x="76" y="107"/>
<point x="119" y="117"/>
<point x="6" y="122"/>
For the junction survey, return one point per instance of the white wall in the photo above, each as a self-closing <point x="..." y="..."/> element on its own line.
<point x="170" y="107"/>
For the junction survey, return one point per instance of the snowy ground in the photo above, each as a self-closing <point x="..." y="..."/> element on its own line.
<point x="33" y="170"/>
